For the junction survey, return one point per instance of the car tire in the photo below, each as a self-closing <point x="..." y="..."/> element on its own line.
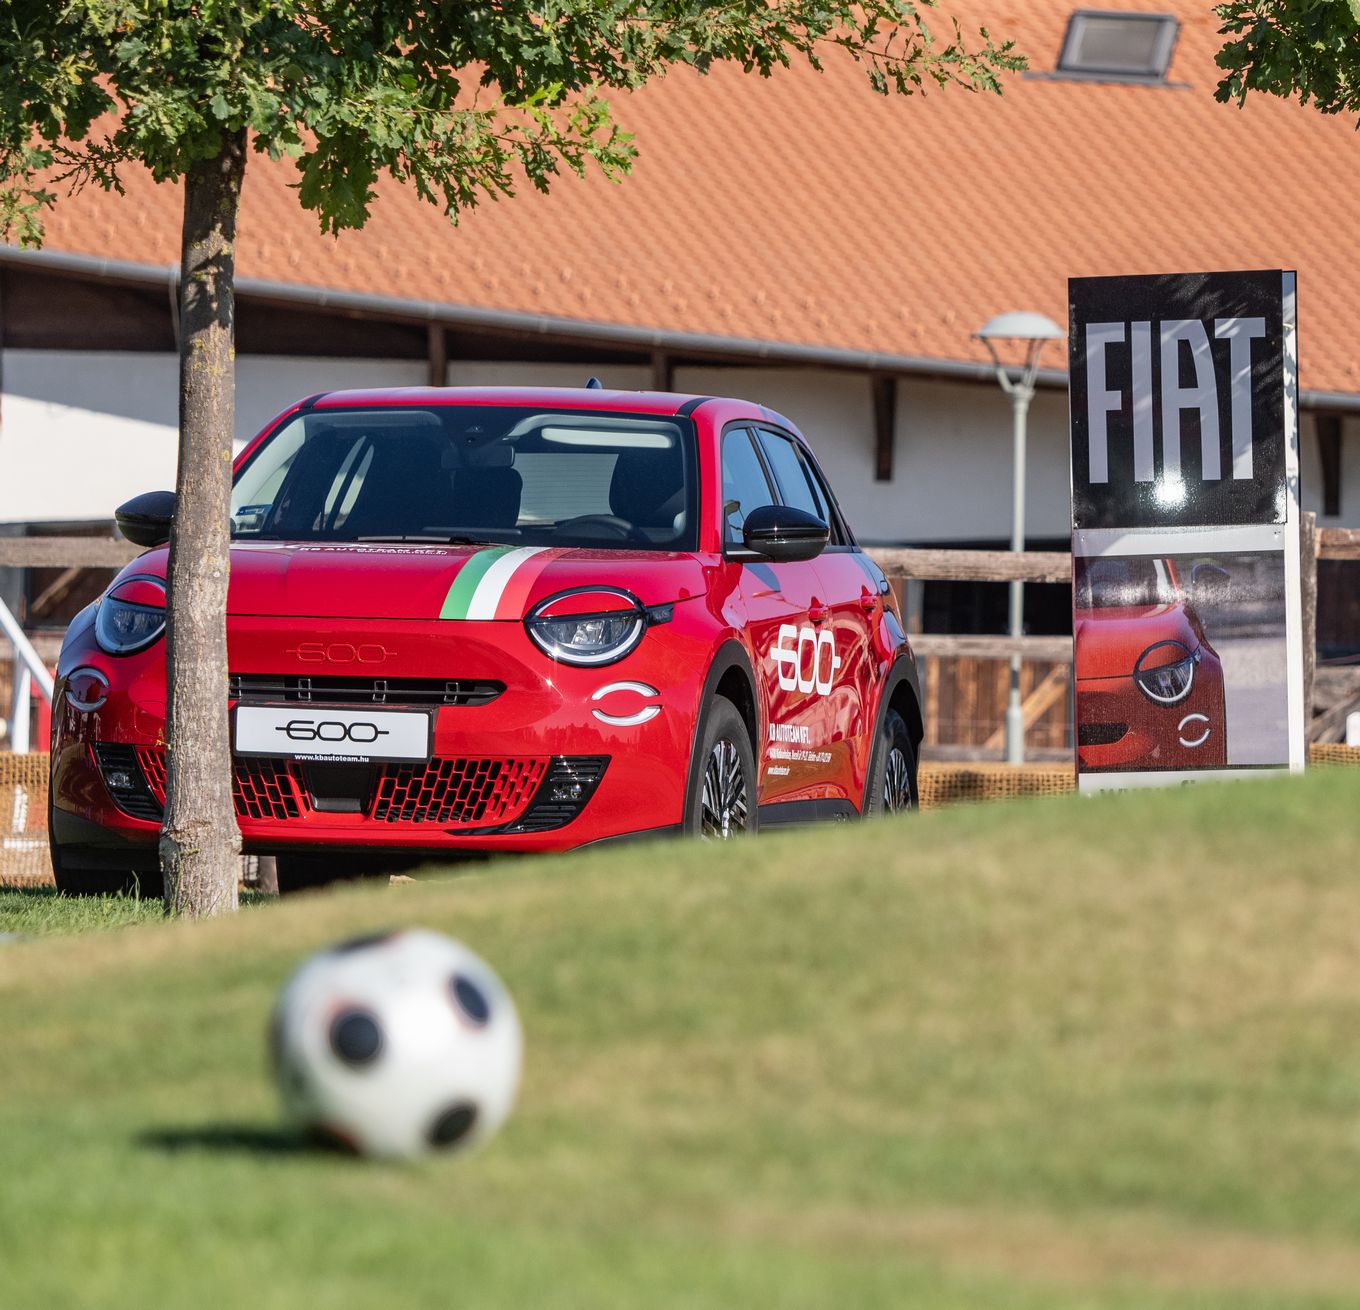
<point x="73" y="880"/>
<point x="722" y="800"/>
<point x="892" y="774"/>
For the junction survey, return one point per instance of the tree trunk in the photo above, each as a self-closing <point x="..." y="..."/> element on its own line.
<point x="200" y="844"/>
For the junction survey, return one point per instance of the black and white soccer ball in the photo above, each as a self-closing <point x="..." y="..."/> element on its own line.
<point x="397" y="1045"/>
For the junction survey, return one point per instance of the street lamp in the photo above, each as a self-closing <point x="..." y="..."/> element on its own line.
<point x="1029" y="330"/>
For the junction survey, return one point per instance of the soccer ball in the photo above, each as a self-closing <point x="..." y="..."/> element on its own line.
<point x="396" y="1045"/>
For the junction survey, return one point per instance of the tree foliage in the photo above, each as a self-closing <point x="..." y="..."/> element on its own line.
<point x="1287" y="48"/>
<point x="460" y="100"/>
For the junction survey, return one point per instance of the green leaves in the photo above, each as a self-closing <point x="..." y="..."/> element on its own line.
<point x="1304" y="48"/>
<point x="462" y="100"/>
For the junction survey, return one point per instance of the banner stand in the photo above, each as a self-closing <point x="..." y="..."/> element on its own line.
<point x="1187" y="622"/>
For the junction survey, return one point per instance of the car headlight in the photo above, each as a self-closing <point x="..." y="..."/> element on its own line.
<point x="1165" y="672"/>
<point x="131" y="616"/>
<point x="591" y="625"/>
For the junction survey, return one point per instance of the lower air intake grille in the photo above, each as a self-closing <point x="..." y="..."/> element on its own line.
<point x="457" y="791"/>
<point x="268" y="789"/>
<point x="1100" y="734"/>
<point x="261" y="789"/>
<point x="496" y="794"/>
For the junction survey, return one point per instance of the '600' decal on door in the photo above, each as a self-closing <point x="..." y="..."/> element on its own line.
<point x="805" y="659"/>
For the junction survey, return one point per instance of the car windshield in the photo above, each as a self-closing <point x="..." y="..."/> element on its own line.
<point x="1124" y="580"/>
<point x="455" y="473"/>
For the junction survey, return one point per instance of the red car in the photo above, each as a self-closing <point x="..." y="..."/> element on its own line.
<point x="1149" y="686"/>
<point x="502" y="620"/>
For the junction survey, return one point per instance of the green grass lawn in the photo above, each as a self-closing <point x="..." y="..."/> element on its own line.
<point x="1069" y="1053"/>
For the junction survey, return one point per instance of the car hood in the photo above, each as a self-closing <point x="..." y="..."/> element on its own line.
<point x="425" y="581"/>
<point x="1109" y="641"/>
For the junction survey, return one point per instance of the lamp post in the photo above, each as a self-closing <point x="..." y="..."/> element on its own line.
<point x="1029" y="330"/>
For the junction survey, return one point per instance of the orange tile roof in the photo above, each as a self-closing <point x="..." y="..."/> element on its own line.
<point x="807" y="209"/>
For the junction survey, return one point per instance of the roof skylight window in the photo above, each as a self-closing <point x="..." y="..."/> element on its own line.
<point x="1111" y="45"/>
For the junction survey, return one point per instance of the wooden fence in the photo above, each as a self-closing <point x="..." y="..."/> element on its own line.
<point x="965" y="687"/>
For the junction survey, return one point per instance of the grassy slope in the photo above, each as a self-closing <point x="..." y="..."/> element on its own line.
<point x="1084" y="1052"/>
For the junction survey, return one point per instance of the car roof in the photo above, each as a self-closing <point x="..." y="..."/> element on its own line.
<point x="589" y="398"/>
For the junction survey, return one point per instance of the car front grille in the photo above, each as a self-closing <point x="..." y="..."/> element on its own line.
<point x="457" y="791"/>
<point x="261" y="789"/>
<point x="304" y="688"/>
<point x="268" y="789"/>
<point x="482" y="793"/>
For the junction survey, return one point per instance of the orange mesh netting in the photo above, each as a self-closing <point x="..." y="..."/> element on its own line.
<point x="23" y="819"/>
<point x="950" y="784"/>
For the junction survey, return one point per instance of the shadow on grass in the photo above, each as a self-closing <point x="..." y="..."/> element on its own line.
<point x="240" y="1139"/>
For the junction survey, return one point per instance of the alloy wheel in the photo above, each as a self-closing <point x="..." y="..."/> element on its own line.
<point x="896" y="783"/>
<point x="724" y="795"/>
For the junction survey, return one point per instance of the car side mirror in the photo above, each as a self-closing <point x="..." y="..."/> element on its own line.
<point x="784" y="534"/>
<point x="145" y="520"/>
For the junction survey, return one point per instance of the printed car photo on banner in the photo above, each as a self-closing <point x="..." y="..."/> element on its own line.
<point x="1185" y="511"/>
<point x="1170" y="651"/>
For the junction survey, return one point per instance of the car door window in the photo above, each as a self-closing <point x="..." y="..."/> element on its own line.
<point x="798" y="483"/>
<point x="744" y="484"/>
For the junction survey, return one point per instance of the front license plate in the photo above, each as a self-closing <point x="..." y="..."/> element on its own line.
<point x="327" y="733"/>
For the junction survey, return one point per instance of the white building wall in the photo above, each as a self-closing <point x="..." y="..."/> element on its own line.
<point x="951" y="451"/>
<point x="81" y="432"/>
<point x="1311" y="473"/>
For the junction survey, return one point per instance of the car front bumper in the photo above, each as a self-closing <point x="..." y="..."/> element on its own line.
<point x="561" y="757"/>
<point x="1119" y="728"/>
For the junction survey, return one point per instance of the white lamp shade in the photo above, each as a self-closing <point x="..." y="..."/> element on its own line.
<point x="1020" y="325"/>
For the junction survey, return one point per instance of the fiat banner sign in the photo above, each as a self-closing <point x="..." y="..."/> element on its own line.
<point x="1185" y="522"/>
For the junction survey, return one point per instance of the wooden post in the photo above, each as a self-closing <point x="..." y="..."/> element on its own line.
<point x="663" y="371"/>
<point x="884" y="390"/>
<point x="268" y="878"/>
<point x="1308" y="553"/>
<point x="438" y="355"/>
<point x="1328" y="428"/>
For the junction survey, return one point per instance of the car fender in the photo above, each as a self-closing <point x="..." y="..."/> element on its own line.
<point x="731" y="654"/>
<point x="902" y="671"/>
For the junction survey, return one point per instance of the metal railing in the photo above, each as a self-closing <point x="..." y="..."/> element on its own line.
<point x="29" y="672"/>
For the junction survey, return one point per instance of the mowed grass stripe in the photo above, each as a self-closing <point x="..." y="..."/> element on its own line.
<point x="1082" y="1052"/>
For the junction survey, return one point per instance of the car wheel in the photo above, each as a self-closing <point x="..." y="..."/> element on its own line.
<point x="722" y="802"/>
<point x="892" y="777"/>
<point x="73" y="880"/>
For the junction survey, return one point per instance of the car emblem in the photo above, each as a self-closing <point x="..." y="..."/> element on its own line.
<point x="339" y="652"/>
<point x="359" y="731"/>
<point x="644" y="715"/>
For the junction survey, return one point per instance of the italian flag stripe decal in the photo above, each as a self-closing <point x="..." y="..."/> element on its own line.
<point x="494" y="583"/>
<point x="465" y="584"/>
<point x="514" y="598"/>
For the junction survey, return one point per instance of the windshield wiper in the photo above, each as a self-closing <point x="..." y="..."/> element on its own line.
<point x="426" y="536"/>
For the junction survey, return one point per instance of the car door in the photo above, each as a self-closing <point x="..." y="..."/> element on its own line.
<point x="775" y="599"/>
<point x="845" y="605"/>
